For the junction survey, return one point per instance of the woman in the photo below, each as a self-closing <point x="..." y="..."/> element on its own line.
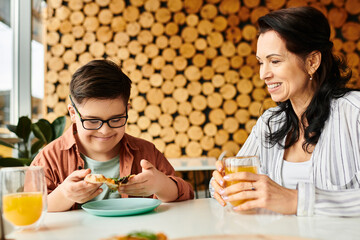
<point x="309" y="145"/>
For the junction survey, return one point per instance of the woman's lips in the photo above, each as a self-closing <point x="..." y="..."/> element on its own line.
<point x="273" y="87"/>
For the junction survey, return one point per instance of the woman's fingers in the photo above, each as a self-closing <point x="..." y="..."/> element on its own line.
<point x="219" y="178"/>
<point x="258" y="191"/>
<point x="239" y="187"/>
<point x="216" y="186"/>
<point x="244" y="195"/>
<point x="219" y="166"/>
<point x="219" y="199"/>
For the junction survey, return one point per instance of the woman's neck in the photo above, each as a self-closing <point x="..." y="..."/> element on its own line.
<point x="300" y="105"/>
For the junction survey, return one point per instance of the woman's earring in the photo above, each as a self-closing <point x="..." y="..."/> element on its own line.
<point x="310" y="78"/>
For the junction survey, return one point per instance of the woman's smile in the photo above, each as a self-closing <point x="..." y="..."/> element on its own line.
<point x="272" y="87"/>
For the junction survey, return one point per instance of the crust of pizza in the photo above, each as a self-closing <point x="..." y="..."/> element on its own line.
<point x="95" y="178"/>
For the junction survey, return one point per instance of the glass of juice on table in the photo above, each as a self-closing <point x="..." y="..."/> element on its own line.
<point x="240" y="164"/>
<point x="24" y="196"/>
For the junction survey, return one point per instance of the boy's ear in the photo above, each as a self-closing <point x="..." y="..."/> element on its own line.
<point x="72" y="113"/>
<point x="313" y="62"/>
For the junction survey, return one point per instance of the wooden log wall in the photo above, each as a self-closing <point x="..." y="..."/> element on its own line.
<point x="196" y="89"/>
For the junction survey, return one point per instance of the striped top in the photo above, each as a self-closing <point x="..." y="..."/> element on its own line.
<point x="334" y="186"/>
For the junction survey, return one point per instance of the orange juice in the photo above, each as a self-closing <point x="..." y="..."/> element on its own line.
<point x="234" y="169"/>
<point x="22" y="209"/>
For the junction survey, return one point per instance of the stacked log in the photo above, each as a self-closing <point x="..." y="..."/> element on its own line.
<point x="196" y="88"/>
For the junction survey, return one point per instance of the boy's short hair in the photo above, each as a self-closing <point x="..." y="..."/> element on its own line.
<point x="102" y="79"/>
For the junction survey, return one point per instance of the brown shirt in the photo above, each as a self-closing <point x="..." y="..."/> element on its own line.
<point x="61" y="157"/>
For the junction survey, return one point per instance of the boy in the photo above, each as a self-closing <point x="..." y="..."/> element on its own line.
<point x="96" y="142"/>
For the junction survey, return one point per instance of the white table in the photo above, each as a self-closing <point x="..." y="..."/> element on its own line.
<point x="190" y="218"/>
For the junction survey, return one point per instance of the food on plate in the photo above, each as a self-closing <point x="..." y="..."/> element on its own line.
<point x="112" y="183"/>
<point x="143" y="235"/>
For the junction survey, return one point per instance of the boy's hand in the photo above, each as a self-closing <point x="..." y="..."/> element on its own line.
<point x="145" y="183"/>
<point x="75" y="189"/>
<point x="150" y="181"/>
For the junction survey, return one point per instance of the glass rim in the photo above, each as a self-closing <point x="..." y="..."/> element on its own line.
<point x="8" y="169"/>
<point x="253" y="160"/>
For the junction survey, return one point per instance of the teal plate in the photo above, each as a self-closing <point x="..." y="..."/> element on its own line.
<point x="121" y="206"/>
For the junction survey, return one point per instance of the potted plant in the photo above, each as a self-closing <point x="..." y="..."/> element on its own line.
<point x="31" y="138"/>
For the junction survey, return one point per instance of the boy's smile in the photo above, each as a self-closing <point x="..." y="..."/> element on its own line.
<point x="103" y="138"/>
<point x="99" y="144"/>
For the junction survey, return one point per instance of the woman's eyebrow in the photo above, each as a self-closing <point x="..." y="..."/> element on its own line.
<point x="269" y="56"/>
<point x="272" y="55"/>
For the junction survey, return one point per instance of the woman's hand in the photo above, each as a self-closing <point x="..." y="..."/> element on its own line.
<point x="218" y="182"/>
<point x="261" y="192"/>
<point x="151" y="181"/>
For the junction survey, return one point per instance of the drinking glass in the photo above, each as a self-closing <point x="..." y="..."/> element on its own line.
<point x="24" y="196"/>
<point x="240" y="164"/>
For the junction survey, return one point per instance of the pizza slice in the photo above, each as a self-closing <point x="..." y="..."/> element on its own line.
<point x="139" y="236"/>
<point x="112" y="183"/>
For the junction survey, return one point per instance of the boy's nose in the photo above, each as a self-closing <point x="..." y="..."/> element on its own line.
<point x="105" y="128"/>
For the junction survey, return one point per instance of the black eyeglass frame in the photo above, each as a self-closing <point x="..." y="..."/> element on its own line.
<point x="102" y="121"/>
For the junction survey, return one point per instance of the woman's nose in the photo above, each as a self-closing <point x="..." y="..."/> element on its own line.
<point x="265" y="72"/>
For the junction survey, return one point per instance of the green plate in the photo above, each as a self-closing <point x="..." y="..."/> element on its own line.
<point x="121" y="206"/>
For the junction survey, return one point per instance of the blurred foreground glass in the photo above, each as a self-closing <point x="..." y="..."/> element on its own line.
<point x="24" y="196"/>
<point x="240" y="164"/>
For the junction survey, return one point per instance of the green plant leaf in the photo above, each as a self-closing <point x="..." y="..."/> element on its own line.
<point x="12" y="128"/>
<point x="10" y="162"/>
<point x="6" y="144"/>
<point x="25" y="161"/>
<point x="23" y="153"/>
<point x="35" y="147"/>
<point x="42" y="130"/>
<point x="37" y="132"/>
<point x="58" y="127"/>
<point x="23" y="128"/>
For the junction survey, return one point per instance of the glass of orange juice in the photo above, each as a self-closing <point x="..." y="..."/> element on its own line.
<point x="240" y="164"/>
<point x="24" y="196"/>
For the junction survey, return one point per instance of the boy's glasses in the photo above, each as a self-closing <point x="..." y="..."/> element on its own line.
<point x="94" y="124"/>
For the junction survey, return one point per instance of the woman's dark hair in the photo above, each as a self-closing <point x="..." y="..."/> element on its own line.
<point x="304" y="30"/>
<point x="102" y="79"/>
